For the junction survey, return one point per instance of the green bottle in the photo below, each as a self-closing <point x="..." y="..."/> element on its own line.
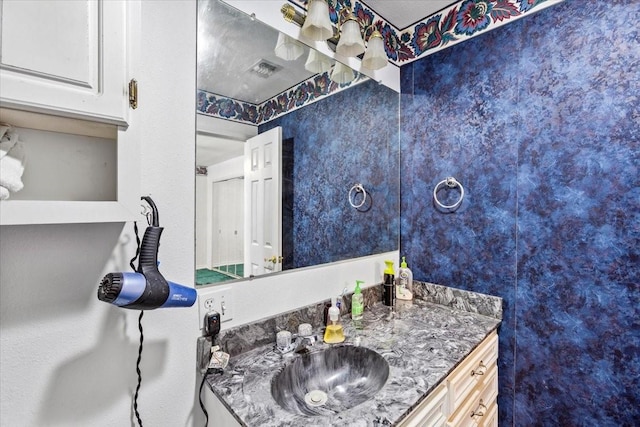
<point x="357" y="302"/>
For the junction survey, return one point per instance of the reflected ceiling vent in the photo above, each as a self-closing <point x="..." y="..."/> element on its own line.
<point x="264" y="68"/>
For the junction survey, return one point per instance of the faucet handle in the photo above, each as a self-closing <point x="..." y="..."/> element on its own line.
<point x="304" y="330"/>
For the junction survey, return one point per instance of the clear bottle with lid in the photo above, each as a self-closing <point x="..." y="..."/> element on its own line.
<point x="404" y="288"/>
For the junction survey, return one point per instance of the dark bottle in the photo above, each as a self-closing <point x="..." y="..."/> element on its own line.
<point x="388" y="285"/>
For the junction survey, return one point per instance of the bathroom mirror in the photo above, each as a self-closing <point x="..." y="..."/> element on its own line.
<point x="334" y="145"/>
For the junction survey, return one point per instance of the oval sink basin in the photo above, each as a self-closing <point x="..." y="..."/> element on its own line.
<point x="329" y="381"/>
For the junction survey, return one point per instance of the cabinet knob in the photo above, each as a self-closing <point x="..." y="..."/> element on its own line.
<point x="479" y="411"/>
<point x="480" y="370"/>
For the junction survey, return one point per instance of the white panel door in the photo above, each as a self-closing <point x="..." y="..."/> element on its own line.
<point x="67" y="57"/>
<point x="263" y="202"/>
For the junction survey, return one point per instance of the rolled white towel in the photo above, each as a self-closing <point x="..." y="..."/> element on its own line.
<point x="12" y="161"/>
<point x="4" y="193"/>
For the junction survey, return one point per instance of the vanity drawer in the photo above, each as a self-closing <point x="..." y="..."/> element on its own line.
<point x="473" y="372"/>
<point x="481" y="404"/>
<point x="431" y="412"/>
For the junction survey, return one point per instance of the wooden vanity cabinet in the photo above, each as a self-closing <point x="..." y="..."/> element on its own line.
<point x="467" y="397"/>
<point x="430" y="412"/>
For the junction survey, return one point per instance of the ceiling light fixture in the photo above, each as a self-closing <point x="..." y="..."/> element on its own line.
<point x="348" y="41"/>
<point x="317" y="62"/>
<point x="317" y="25"/>
<point x="288" y="48"/>
<point x="375" y="57"/>
<point x="342" y="74"/>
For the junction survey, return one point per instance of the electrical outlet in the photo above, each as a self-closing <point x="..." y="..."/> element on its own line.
<point x="216" y="299"/>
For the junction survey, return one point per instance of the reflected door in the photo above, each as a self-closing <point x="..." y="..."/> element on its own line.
<point x="263" y="199"/>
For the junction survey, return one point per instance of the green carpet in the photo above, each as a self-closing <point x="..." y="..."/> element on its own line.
<point x="205" y="276"/>
<point x="237" y="269"/>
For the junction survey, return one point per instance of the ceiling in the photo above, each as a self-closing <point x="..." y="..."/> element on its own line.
<point x="402" y="13"/>
<point x="230" y="44"/>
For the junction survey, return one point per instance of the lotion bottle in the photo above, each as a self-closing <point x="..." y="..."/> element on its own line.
<point x="334" y="333"/>
<point x="404" y="288"/>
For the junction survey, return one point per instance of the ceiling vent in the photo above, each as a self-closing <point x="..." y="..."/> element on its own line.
<point x="264" y="68"/>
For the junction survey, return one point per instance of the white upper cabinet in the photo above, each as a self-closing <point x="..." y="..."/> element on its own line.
<point x="65" y="68"/>
<point x="67" y="58"/>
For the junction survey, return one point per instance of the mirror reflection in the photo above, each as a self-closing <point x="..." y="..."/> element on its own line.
<point x="280" y="150"/>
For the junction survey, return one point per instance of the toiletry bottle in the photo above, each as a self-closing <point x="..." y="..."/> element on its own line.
<point x="388" y="285"/>
<point x="357" y="302"/>
<point x="340" y="300"/>
<point x="404" y="288"/>
<point x="334" y="333"/>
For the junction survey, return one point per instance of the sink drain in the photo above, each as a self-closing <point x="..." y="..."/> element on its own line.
<point x="315" y="398"/>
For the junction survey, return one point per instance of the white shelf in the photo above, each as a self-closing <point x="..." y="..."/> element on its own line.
<point x="21" y="212"/>
<point x="125" y="206"/>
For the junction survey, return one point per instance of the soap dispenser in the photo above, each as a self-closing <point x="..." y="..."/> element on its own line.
<point x="357" y="302"/>
<point x="334" y="333"/>
<point x="404" y="288"/>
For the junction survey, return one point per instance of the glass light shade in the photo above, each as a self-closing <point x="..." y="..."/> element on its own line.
<point x="342" y="74"/>
<point x="317" y="24"/>
<point x="288" y="48"/>
<point x="317" y="62"/>
<point x="375" y="57"/>
<point x="350" y="43"/>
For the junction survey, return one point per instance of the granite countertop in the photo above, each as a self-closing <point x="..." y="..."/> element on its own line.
<point x="422" y="343"/>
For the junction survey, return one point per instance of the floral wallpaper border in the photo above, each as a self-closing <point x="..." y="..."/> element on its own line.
<point x="307" y="92"/>
<point x="459" y="22"/>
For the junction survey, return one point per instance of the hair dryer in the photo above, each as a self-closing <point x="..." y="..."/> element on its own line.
<point x="146" y="289"/>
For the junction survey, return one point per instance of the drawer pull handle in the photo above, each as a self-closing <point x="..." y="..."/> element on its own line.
<point x="480" y="371"/>
<point x="480" y="410"/>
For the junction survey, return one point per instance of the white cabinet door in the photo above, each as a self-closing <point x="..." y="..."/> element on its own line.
<point x="432" y="412"/>
<point x="66" y="57"/>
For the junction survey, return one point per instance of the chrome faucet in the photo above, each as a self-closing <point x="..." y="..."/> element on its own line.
<point x="303" y="344"/>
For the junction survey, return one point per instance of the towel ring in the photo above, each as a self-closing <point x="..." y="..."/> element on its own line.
<point x="451" y="183"/>
<point x="358" y="188"/>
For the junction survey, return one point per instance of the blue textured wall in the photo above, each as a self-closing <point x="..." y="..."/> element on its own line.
<point x="350" y="137"/>
<point x="540" y="121"/>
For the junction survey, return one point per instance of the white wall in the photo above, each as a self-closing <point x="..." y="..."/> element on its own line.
<point x="68" y="359"/>
<point x="202" y="221"/>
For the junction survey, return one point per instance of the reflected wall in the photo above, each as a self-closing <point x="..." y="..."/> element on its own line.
<point x="348" y="138"/>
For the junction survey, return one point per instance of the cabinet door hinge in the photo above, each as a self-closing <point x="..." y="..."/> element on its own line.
<point x="133" y="94"/>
